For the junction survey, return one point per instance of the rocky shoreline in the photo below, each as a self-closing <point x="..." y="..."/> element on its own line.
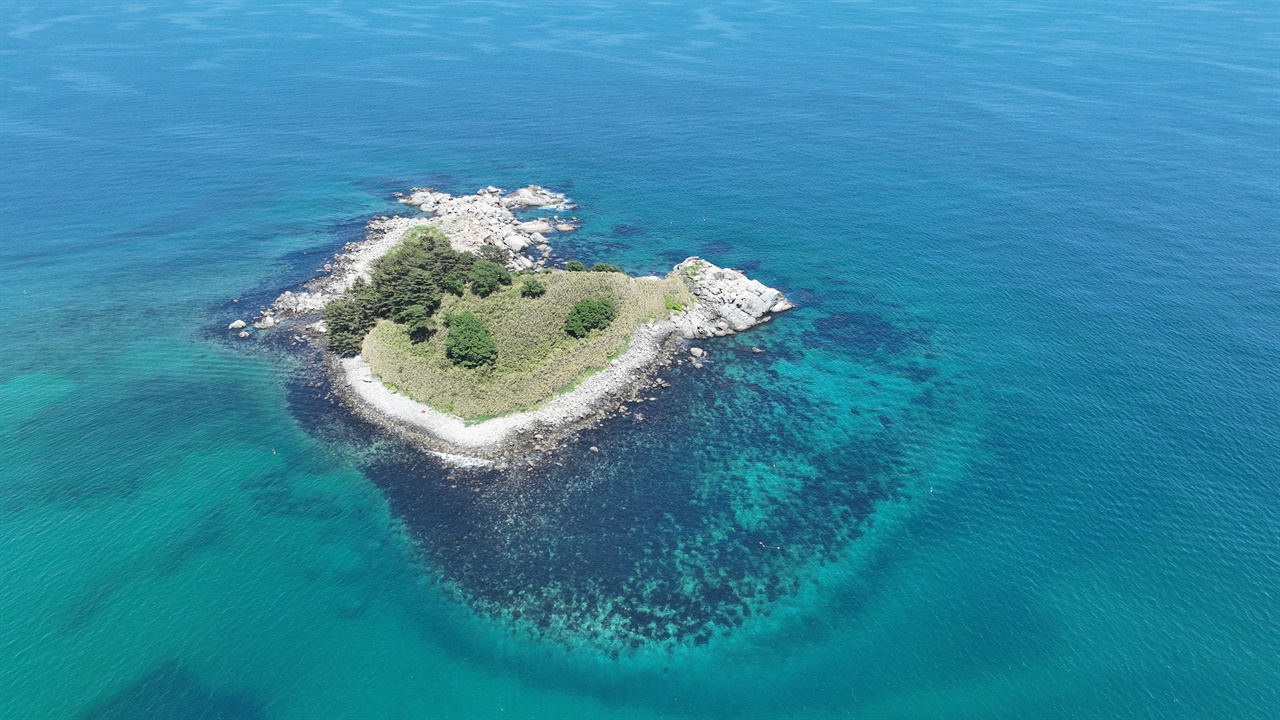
<point x="727" y="302"/>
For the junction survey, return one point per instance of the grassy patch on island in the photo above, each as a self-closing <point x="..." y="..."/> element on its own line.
<point x="536" y="358"/>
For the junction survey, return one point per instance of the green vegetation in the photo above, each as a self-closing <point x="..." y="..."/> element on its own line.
<point x="469" y="343"/>
<point x="494" y="254"/>
<point x="605" y="267"/>
<point x="454" y="283"/>
<point x="407" y="284"/>
<point x="534" y="358"/>
<point x="348" y="321"/>
<point x="417" y="321"/>
<point x="575" y="266"/>
<point x="673" y="304"/>
<point x="589" y="315"/>
<point x="486" y="276"/>
<point x="532" y="288"/>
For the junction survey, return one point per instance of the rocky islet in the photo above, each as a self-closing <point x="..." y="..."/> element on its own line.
<point x="727" y="302"/>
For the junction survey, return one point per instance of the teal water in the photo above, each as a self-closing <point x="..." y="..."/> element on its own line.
<point x="1016" y="455"/>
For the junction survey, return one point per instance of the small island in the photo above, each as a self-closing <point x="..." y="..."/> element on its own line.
<point x="454" y="329"/>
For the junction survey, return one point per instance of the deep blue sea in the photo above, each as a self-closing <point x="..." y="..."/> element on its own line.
<point x="1015" y="455"/>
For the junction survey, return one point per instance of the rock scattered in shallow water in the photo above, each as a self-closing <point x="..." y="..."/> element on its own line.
<point x="237" y="325"/>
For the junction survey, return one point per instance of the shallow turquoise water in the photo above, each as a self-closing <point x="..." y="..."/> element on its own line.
<point x="1015" y="456"/>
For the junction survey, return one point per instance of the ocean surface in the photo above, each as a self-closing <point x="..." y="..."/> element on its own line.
<point x="1015" y="455"/>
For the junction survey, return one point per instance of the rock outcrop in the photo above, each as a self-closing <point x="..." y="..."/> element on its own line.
<point x="728" y="301"/>
<point x="536" y="196"/>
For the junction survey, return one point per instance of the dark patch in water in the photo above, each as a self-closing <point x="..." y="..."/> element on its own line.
<point x="804" y="297"/>
<point x="615" y="245"/>
<point x="627" y="230"/>
<point x="919" y="373"/>
<point x="674" y="256"/>
<point x="715" y="247"/>
<point x="636" y="546"/>
<point x="863" y="333"/>
<point x="926" y="398"/>
<point x="173" y="692"/>
<point x="749" y="265"/>
<point x="681" y="529"/>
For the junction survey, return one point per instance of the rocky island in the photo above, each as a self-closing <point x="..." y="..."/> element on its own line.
<point x="459" y="330"/>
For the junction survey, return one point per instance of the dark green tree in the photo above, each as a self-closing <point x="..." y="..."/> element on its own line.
<point x="588" y="315"/>
<point x="454" y="283"/>
<point x="348" y="320"/>
<point x="574" y="266"/>
<point x="418" y="321"/>
<point x="468" y="343"/>
<point x="605" y="267"/>
<point x="487" y="276"/>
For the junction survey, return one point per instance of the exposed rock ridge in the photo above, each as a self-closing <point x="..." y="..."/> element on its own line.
<point x="728" y="301"/>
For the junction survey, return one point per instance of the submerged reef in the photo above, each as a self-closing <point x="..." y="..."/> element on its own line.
<point x="695" y="486"/>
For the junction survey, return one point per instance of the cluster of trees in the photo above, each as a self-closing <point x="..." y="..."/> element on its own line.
<point x="406" y="286"/>
<point x="468" y="343"/>
<point x="589" y="315"/>
<point x="575" y="266"/>
<point x="408" y="283"/>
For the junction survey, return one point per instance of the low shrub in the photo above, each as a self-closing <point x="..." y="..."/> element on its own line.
<point x="589" y="315"/>
<point x="673" y="304"/>
<point x="575" y="266"/>
<point x="605" y="267"/>
<point x="468" y="343"/>
<point x="532" y="288"/>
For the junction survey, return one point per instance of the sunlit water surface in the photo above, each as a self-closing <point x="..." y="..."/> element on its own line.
<point x="1015" y="455"/>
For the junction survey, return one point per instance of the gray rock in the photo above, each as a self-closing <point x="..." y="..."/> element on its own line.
<point x="535" y="196"/>
<point x="242" y="334"/>
<point x="266" y="322"/>
<point x="534" y="226"/>
<point x="696" y="352"/>
<point x="237" y="325"/>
